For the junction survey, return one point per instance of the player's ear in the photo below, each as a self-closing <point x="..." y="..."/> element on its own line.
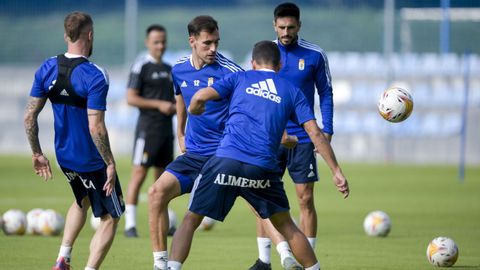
<point x="299" y="25"/>
<point x="65" y="37"/>
<point x="191" y="40"/>
<point x="90" y="35"/>
<point x="254" y="64"/>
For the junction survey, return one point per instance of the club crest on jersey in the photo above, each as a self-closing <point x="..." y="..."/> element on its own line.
<point x="265" y="89"/>
<point x="210" y="81"/>
<point x="301" y="64"/>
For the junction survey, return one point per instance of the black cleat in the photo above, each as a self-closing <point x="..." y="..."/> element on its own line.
<point x="171" y="231"/>
<point x="259" y="265"/>
<point x="131" y="233"/>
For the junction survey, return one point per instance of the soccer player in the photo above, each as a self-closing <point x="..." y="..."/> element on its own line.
<point x="150" y="89"/>
<point x="77" y="89"/>
<point x="245" y="163"/>
<point x="306" y="66"/>
<point x="199" y="139"/>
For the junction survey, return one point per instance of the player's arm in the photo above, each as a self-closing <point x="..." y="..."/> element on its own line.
<point x="98" y="131"/>
<point x="181" y="121"/>
<point x="322" y="146"/>
<point x="41" y="165"/>
<point x="323" y="83"/>
<point x="197" y="104"/>
<point x="134" y="99"/>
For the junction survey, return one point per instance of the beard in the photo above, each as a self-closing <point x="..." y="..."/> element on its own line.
<point x="90" y="51"/>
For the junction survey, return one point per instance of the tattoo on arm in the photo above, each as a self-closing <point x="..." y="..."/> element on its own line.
<point x="100" y="138"/>
<point x="33" y="108"/>
<point x="103" y="146"/>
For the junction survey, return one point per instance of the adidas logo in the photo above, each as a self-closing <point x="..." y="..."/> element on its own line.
<point x="311" y="174"/>
<point x="64" y="93"/>
<point x="265" y="89"/>
<point x="184" y="84"/>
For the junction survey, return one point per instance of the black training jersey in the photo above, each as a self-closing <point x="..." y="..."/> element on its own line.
<point x="153" y="80"/>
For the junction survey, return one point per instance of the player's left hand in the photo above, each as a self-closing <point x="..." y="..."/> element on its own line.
<point x="289" y="141"/>
<point x="111" y="178"/>
<point x="41" y="165"/>
<point x="197" y="110"/>
<point x="341" y="183"/>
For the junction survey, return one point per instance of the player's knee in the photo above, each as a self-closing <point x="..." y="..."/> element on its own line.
<point x="192" y="219"/>
<point x="109" y="221"/>
<point x="306" y="201"/>
<point x="158" y="195"/>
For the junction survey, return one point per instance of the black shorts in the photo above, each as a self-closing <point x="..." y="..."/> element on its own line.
<point x="91" y="184"/>
<point x="152" y="149"/>
<point x="300" y="161"/>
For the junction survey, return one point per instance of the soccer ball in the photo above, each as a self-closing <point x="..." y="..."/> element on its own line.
<point x="14" y="222"/>
<point x="207" y="224"/>
<point x="94" y="222"/>
<point x="172" y="220"/>
<point x="32" y="221"/>
<point x="50" y="223"/>
<point x="442" y="251"/>
<point x="377" y="223"/>
<point x="395" y="104"/>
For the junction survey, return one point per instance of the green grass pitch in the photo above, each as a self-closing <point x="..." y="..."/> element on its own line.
<point x="423" y="202"/>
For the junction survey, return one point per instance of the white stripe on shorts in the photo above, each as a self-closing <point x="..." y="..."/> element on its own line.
<point x="195" y="185"/>
<point x="138" y="152"/>
<point x="116" y="202"/>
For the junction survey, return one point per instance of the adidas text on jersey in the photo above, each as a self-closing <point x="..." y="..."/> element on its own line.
<point x="265" y="89"/>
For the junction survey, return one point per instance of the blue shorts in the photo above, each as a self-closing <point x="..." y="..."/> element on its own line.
<point x="91" y="184"/>
<point x="223" y="179"/>
<point x="300" y="161"/>
<point x="186" y="168"/>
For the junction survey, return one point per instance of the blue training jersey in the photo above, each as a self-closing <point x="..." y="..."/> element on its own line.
<point x="306" y="66"/>
<point x="261" y="103"/>
<point x="203" y="132"/>
<point x="74" y="146"/>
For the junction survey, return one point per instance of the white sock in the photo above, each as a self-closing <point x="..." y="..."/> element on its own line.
<point x="130" y="216"/>
<point x="312" y="241"/>
<point x="173" y="265"/>
<point x="89" y="268"/>
<point x="65" y="252"/>
<point x="264" y="247"/>
<point x="284" y="251"/>
<point x="314" y="267"/>
<point x="160" y="259"/>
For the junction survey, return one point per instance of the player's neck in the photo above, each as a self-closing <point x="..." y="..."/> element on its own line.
<point x="78" y="48"/>
<point x="197" y="62"/>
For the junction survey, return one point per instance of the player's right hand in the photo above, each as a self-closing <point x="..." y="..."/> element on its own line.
<point x="341" y="183"/>
<point x="111" y="178"/>
<point x="41" y="165"/>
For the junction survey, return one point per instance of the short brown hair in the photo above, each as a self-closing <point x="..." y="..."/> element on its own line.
<point x="266" y="52"/>
<point x="202" y="23"/>
<point x="77" y="23"/>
